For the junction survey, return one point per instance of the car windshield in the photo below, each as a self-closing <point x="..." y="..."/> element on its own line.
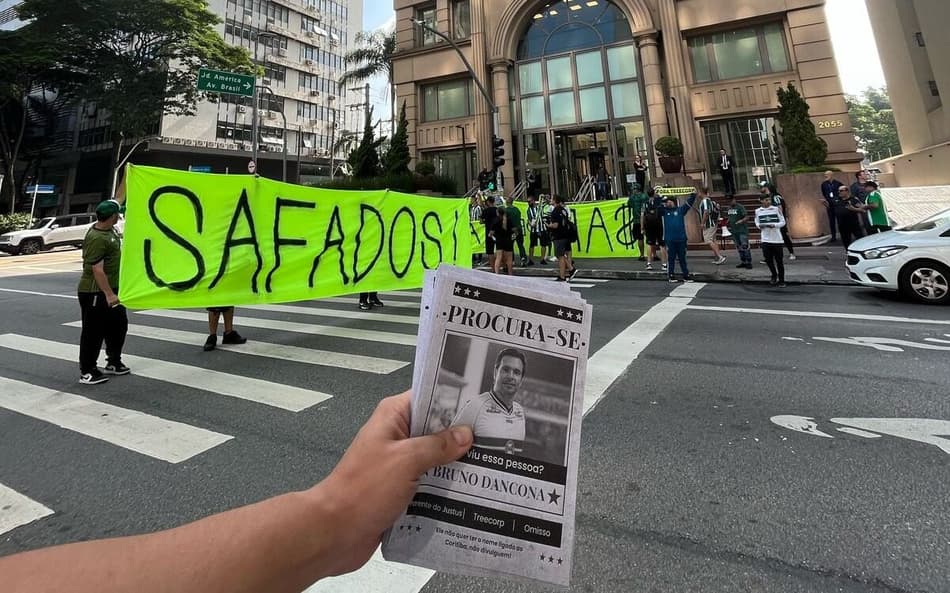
<point x="937" y="220"/>
<point x="41" y="223"/>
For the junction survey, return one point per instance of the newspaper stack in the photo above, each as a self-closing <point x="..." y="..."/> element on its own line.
<point x="508" y="357"/>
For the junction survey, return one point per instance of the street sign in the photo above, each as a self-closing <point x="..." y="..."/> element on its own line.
<point x="41" y="189"/>
<point x="217" y="81"/>
<point x="251" y="167"/>
<point x="200" y="168"/>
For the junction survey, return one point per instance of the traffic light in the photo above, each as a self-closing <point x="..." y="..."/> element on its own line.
<point x="484" y="179"/>
<point x="498" y="152"/>
<point x="492" y="180"/>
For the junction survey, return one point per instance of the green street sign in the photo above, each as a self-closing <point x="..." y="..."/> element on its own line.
<point x="216" y="81"/>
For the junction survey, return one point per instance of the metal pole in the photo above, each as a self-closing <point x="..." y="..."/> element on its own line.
<point x="464" y="159"/>
<point x="284" y="116"/>
<point x="330" y="100"/>
<point x="115" y="172"/>
<point x="36" y="186"/>
<point x="255" y="99"/>
<point x="299" y="149"/>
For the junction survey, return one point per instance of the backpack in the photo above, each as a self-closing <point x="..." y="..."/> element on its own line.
<point x="570" y="227"/>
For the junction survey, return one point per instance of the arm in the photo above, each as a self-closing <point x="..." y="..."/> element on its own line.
<point x="282" y="544"/>
<point x="102" y="281"/>
<point x="781" y="219"/>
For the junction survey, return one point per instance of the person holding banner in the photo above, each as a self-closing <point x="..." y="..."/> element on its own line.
<point x="489" y="214"/>
<point x="635" y="203"/>
<point x="368" y="300"/>
<point x="539" y="232"/>
<point x="230" y="336"/>
<point x="514" y="219"/>
<point x="475" y="216"/>
<point x="674" y="234"/>
<point x="651" y="219"/>
<point x="561" y="232"/>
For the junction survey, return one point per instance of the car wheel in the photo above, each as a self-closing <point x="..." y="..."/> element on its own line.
<point x="31" y="246"/>
<point x="926" y="281"/>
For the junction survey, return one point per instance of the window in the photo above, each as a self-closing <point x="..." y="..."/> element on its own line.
<point x="751" y="143"/>
<point x="276" y="74"/>
<point x="739" y="53"/>
<point x="565" y="25"/>
<point x="447" y="100"/>
<point x="461" y="19"/>
<point x="244" y="34"/>
<point x="278" y="14"/>
<point x="425" y="37"/>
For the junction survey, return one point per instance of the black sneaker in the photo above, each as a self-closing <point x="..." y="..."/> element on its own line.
<point x="364" y="306"/>
<point x="572" y="273"/>
<point x="673" y="280"/>
<point x="641" y="258"/>
<point x="559" y="279"/>
<point x="531" y="262"/>
<point x="376" y="302"/>
<point x="232" y="337"/>
<point x="748" y="266"/>
<point x="211" y="342"/>
<point x="116" y="368"/>
<point x="93" y="378"/>
<point x="740" y="265"/>
<point x="773" y="282"/>
<point x="542" y="263"/>
<point x="782" y="285"/>
<point x="524" y="261"/>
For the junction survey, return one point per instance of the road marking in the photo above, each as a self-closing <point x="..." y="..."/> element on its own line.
<point x="687" y="290"/>
<point x="335" y="313"/>
<point x="300" y="328"/>
<point x="821" y="314"/>
<point x="858" y="433"/>
<point x="259" y="391"/>
<point x="922" y="430"/>
<point x="403" y="294"/>
<point x="149" y="435"/>
<point x="882" y="344"/>
<point x="355" y="362"/>
<point x="803" y="424"/>
<point x="34" y="293"/>
<point x="376" y="576"/>
<point x="17" y="510"/>
<point x="354" y="301"/>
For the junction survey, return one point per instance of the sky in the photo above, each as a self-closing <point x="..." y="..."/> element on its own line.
<point x="855" y="52"/>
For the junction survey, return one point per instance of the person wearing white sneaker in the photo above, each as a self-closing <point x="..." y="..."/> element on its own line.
<point x="709" y="214"/>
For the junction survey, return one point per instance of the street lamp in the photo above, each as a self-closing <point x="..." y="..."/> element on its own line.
<point x="115" y="172"/>
<point x="478" y="83"/>
<point x="256" y="98"/>
<point x="464" y="159"/>
<point x="330" y="100"/>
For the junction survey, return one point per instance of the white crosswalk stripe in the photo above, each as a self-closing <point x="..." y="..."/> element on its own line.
<point x="337" y="313"/>
<point x="149" y="435"/>
<point x="390" y="304"/>
<point x="17" y="510"/>
<point x="296" y="327"/>
<point x="356" y="362"/>
<point x="278" y="395"/>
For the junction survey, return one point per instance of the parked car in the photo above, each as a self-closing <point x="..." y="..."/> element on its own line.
<point x="47" y="233"/>
<point x="914" y="259"/>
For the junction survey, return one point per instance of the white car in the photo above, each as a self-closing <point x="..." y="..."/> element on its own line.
<point x="49" y="232"/>
<point x="914" y="259"/>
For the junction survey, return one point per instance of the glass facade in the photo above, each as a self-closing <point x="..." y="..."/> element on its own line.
<point x="752" y="144"/>
<point x="739" y="53"/>
<point x="447" y="100"/>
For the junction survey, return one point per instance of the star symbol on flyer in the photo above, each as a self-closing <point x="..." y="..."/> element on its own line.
<point x="560" y="313"/>
<point x="418" y="528"/>
<point x="579" y="316"/>
<point x="570" y="315"/>
<point x="554" y="497"/>
<point x="559" y="561"/>
<point x="458" y="289"/>
<point x="468" y="292"/>
<point x="476" y="293"/>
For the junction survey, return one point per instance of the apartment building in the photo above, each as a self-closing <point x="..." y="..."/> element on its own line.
<point x="915" y="55"/>
<point x="581" y="84"/>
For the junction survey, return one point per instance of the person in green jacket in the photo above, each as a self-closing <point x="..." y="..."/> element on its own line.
<point x="738" y="226"/>
<point x="635" y="203"/>
<point x="877" y="213"/>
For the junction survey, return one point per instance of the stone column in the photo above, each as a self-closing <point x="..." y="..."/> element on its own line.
<point x="685" y="128"/>
<point x="499" y="90"/>
<point x="653" y="87"/>
<point x="479" y="60"/>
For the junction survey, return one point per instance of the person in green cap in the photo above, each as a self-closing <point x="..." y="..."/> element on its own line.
<point x="877" y="212"/>
<point x="103" y="317"/>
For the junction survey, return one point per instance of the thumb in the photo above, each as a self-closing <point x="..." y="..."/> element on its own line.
<point x="425" y="452"/>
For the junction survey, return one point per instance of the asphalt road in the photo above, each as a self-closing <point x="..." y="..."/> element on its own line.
<point x="687" y="483"/>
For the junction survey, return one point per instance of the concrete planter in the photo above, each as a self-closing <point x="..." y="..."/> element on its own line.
<point x="802" y="192"/>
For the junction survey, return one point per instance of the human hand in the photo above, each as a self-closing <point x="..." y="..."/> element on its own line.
<point x="112" y="300"/>
<point x="377" y="477"/>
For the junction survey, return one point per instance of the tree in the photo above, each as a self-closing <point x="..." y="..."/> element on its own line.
<point x="365" y="159"/>
<point x="396" y="161"/>
<point x="873" y="122"/>
<point x="140" y="60"/>
<point x="373" y="56"/>
<point x="802" y="144"/>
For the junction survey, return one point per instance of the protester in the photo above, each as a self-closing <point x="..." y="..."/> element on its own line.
<point x="860" y="193"/>
<point x="635" y="204"/>
<point x="640" y="172"/>
<point x="475" y="217"/>
<point x="514" y="218"/>
<point x="538" y="231"/>
<point x="368" y="300"/>
<point x="603" y="183"/>
<point x="849" y="210"/>
<point x="674" y="234"/>
<point x="504" y="232"/>
<point x="709" y="221"/>
<point x="560" y="224"/>
<point x="770" y="220"/>
<point x="726" y="170"/>
<point x="651" y="220"/>
<point x="779" y="202"/>
<point x="230" y="335"/>
<point x="103" y="316"/>
<point x="829" y="189"/>
<point x="737" y="223"/>
<point x="280" y="545"/>
<point x="489" y="214"/>
<point x="877" y="212"/>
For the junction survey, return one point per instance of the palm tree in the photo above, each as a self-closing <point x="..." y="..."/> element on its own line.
<point x="372" y="56"/>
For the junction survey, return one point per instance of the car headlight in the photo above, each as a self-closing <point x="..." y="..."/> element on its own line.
<point x="882" y="252"/>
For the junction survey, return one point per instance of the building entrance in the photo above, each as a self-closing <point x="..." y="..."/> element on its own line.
<point x="584" y="163"/>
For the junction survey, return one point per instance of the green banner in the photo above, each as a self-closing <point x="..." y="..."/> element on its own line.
<point x="205" y="240"/>
<point x="604" y="229"/>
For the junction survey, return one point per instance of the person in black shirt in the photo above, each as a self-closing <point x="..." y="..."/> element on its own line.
<point x="489" y="214"/>
<point x="504" y="233"/>
<point x="560" y="235"/>
<point x="848" y="210"/>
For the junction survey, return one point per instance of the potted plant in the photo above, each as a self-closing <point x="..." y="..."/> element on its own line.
<point x="669" y="149"/>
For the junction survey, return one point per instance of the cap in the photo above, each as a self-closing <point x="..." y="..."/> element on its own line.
<point x="109" y="207"/>
<point x="763" y="184"/>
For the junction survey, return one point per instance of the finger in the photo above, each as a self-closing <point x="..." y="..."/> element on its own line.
<point x="425" y="452"/>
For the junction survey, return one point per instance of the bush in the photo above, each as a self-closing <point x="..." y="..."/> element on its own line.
<point x="406" y="183"/>
<point x="425" y="168"/>
<point x="669" y="146"/>
<point x="14" y="222"/>
<point x="811" y="169"/>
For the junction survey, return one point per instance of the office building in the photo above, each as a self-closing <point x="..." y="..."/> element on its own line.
<point x="8" y="16"/>
<point x="581" y="84"/>
<point x="915" y="54"/>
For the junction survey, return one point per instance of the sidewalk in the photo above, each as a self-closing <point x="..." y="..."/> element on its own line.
<point x="815" y="265"/>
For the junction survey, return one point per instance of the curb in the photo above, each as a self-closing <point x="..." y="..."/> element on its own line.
<point x="699" y="277"/>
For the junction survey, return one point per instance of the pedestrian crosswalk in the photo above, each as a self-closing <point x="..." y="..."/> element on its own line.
<point x="326" y="336"/>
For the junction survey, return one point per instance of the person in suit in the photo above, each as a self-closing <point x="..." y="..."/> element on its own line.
<point x="726" y="167"/>
<point x="829" y="191"/>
